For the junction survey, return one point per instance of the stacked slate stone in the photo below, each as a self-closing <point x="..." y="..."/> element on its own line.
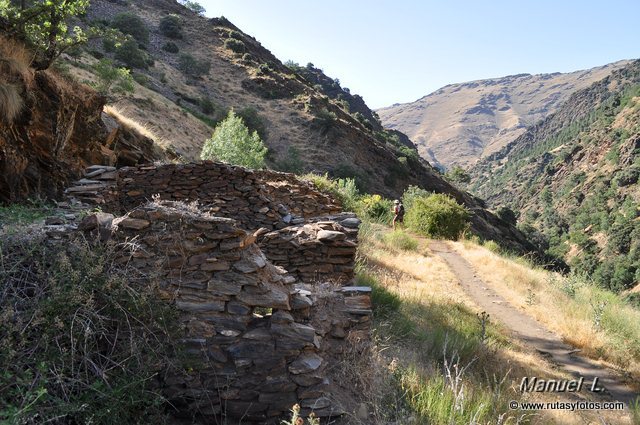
<point x="97" y="182"/>
<point x="254" y="198"/>
<point x="316" y="252"/>
<point x="258" y="340"/>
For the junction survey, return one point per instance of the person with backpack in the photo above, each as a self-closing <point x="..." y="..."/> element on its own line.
<point x="398" y="213"/>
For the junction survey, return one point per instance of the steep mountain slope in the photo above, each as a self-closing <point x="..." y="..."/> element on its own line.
<point x="574" y="177"/>
<point x="461" y="123"/>
<point x="181" y="95"/>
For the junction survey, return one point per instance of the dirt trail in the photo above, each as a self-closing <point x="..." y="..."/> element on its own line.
<point x="528" y="329"/>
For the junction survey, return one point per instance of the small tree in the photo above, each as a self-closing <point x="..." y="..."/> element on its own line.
<point x="129" y="53"/>
<point x="458" y="174"/>
<point x="171" y="26"/>
<point x="231" y="142"/>
<point x="43" y="24"/>
<point x="112" y="81"/>
<point x="194" y="6"/>
<point x="131" y="24"/>
<point x="438" y="216"/>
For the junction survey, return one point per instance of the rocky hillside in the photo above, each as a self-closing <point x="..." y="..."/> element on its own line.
<point x="185" y="81"/>
<point x="186" y="78"/>
<point x="573" y="179"/>
<point x="461" y="123"/>
<point x="58" y="129"/>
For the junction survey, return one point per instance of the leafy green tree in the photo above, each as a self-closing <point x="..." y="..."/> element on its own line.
<point x="44" y="25"/>
<point x="508" y="215"/>
<point x="411" y="194"/>
<point x="231" y="142"/>
<point x="129" y="53"/>
<point x="112" y="81"/>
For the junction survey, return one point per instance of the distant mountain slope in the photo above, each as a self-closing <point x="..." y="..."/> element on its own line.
<point x="461" y="123"/>
<point x="574" y="178"/>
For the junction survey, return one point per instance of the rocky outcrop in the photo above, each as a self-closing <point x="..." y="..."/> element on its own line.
<point x="59" y="132"/>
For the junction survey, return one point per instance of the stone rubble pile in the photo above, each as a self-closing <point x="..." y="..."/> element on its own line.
<point x="318" y="251"/>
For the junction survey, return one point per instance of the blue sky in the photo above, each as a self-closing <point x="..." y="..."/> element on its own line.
<point x="395" y="51"/>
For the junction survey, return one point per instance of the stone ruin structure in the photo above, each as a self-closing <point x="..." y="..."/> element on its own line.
<point x="260" y="270"/>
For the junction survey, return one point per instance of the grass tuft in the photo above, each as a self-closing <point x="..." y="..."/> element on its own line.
<point x="399" y="239"/>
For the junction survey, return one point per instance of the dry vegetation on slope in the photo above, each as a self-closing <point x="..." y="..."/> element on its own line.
<point x="423" y="317"/>
<point x="461" y="123"/>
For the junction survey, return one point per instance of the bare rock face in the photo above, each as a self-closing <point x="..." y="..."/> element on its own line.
<point x="59" y="132"/>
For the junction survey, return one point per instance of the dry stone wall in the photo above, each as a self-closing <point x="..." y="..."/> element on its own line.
<point x="254" y="198"/>
<point x="258" y="270"/>
<point x="248" y="324"/>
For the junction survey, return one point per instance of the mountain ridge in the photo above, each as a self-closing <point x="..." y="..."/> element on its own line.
<point x="463" y="122"/>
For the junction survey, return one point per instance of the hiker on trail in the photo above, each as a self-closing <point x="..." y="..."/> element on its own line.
<point x="398" y="213"/>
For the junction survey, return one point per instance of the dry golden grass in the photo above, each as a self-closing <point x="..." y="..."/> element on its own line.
<point x="124" y="117"/>
<point x="14" y="69"/>
<point x="11" y="103"/>
<point x="425" y="282"/>
<point x="545" y="296"/>
<point x="14" y="57"/>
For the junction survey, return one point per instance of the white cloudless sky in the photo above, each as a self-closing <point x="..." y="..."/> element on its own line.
<point x="396" y="51"/>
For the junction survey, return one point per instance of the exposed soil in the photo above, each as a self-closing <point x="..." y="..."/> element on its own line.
<point x="531" y="332"/>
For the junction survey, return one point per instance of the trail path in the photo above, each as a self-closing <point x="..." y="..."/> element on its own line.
<point x="528" y="329"/>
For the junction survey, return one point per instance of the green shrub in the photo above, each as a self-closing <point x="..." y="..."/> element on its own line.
<point x="292" y="162"/>
<point x="376" y="208"/>
<point x="131" y="24"/>
<point x="492" y="246"/>
<point x="325" y="120"/>
<point x="193" y="67"/>
<point x="411" y="193"/>
<point x="170" y="47"/>
<point x="141" y="79"/>
<point x="458" y="174"/>
<point x="234" y="45"/>
<point x="253" y="121"/>
<point x="627" y="177"/>
<point x="231" y="142"/>
<point x="438" y="216"/>
<point x="506" y="214"/>
<point x="129" y="54"/>
<point x="400" y="240"/>
<point x="235" y="34"/>
<point x="248" y="58"/>
<point x="112" y="80"/>
<point x="80" y="344"/>
<point x="264" y="69"/>
<point x="207" y="106"/>
<point x="194" y="6"/>
<point x="345" y="190"/>
<point x="109" y="45"/>
<point x="171" y="26"/>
